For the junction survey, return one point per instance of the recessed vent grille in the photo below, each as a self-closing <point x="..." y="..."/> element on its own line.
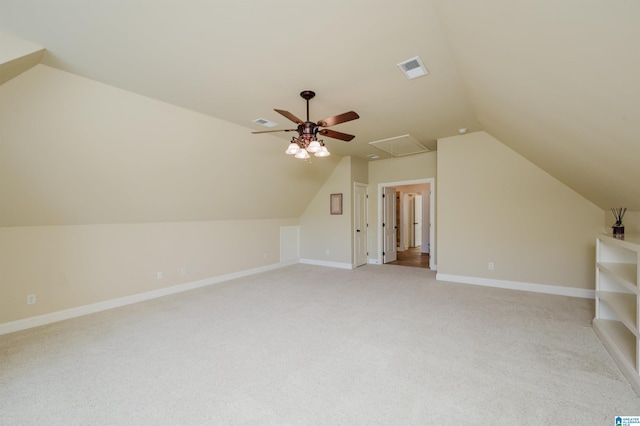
<point x="413" y="68"/>
<point x="264" y="122"/>
<point x="412" y="64"/>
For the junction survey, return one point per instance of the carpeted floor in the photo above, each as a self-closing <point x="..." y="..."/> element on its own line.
<point x="308" y="345"/>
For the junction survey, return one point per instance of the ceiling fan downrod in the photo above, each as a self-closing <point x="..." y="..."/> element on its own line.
<point x="307" y="94"/>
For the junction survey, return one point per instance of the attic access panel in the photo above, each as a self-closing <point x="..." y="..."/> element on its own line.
<point x="400" y="146"/>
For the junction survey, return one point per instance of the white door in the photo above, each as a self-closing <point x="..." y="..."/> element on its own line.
<point x="417" y="220"/>
<point x="408" y="216"/>
<point x="389" y="251"/>
<point x="360" y="225"/>
<point x="426" y="220"/>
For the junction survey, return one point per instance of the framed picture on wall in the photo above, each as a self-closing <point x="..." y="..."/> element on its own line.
<point x="336" y="204"/>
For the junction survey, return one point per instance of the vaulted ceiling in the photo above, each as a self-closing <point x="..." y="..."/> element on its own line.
<point x="553" y="80"/>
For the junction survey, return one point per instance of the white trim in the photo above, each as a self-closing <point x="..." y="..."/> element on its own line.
<point x="366" y="220"/>
<point x="329" y="264"/>
<point x="23" y="324"/>
<point x="517" y="285"/>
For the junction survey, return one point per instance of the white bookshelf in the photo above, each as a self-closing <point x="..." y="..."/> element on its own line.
<point x="617" y="319"/>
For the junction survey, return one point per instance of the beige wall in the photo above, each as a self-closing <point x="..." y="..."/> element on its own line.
<point x="75" y="151"/>
<point x="101" y="188"/>
<point x="325" y="237"/>
<point x="495" y="206"/>
<point x="71" y="266"/>
<point x="359" y="170"/>
<point x="400" y="169"/>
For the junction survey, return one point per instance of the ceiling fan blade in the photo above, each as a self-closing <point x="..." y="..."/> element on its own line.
<point x="289" y="116"/>
<point x="337" y="119"/>
<point x="336" y="135"/>
<point x="272" y="131"/>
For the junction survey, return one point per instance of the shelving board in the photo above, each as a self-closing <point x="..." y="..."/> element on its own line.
<point x="624" y="306"/>
<point x="617" y="321"/>
<point x="625" y="272"/>
<point x="621" y="343"/>
<point x="629" y="241"/>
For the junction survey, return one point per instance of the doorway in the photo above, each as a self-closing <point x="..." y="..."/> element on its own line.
<point x="414" y="222"/>
<point x="412" y="257"/>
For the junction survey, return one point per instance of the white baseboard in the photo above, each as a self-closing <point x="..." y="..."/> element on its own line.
<point x="23" y="324"/>
<point x="325" y="263"/>
<point x="517" y="285"/>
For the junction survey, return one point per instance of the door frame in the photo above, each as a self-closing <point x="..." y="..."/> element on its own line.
<point x="432" y="217"/>
<point x="365" y="225"/>
<point x="389" y="204"/>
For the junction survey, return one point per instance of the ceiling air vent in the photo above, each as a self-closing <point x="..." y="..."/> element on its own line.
<point x="265" y="122"/>
<point x="413" y="68"/>
<point x="400" y="146"/>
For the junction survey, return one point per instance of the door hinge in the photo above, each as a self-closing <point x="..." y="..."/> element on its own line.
<point x="383" y="253"/>
<point x="382" y="195"/>
<point x="383" y="225"/>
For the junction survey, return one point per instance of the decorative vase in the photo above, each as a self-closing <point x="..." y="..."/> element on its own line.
<point x="618" y="231"/>
<point x="618" y="227"/>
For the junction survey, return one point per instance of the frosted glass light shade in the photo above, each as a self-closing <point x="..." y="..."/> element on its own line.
<point x="293" y="148"/>
<point x="314" y="146"/>
<point x="324" y="152"/>
<point x="302" y="154"/>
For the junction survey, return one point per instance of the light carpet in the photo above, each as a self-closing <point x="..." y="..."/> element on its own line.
<point x="309" y="345"/>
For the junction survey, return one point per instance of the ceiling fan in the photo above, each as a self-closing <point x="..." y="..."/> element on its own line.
<point x="308" y="131"/>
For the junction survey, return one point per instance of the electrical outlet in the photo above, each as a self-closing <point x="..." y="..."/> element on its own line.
<point x="31" y="299"/>
<point x="491" y="266"/>
<point x="183" y="271"/>
<point x="159" y="275"/>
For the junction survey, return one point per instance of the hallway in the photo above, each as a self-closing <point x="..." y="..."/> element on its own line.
<point x="412" y="257"/>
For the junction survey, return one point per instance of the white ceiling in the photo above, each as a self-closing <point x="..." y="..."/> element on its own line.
<point x="554" y="80"/>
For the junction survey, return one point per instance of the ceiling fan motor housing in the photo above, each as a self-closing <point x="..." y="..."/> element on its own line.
<point x="308" y="130"/>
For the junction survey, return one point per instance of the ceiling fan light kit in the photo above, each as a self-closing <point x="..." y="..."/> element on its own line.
<point x="302" y="154"/>
<point x="316" y="147"/>
<point x="307" y="140"/>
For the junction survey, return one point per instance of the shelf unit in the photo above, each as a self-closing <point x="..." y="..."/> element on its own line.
<point x="618" y="302"/>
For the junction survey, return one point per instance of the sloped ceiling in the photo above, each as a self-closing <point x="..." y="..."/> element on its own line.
<point x="77" y="152"/>
<point x="17" y="56"/>
<point x="555" y="81"/>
